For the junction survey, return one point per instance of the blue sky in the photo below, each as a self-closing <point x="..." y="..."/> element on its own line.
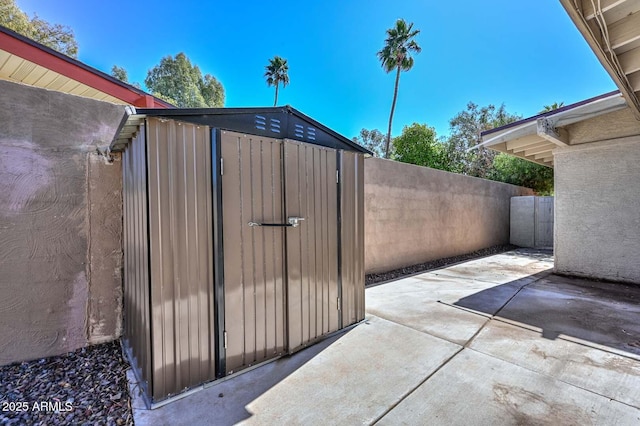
<point x="522" y="54"/>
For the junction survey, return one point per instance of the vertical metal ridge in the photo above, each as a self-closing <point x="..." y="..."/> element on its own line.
<point x="300" y="307"/>
<point x="323" y="263"/>
<point x="252" y="202"/>
<point x="242" y="261"/>
<point x="197" y="353"/>
<point x="274" y="216"/>
<point x="263" y="250"/>
<point x="316" y="225"/>
<point x="283" y="277"/>
<point x="305" y="230"/>
<point x="169" y="326"/>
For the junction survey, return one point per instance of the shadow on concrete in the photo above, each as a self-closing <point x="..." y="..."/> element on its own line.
<point x="226" y="400"/>
<point x="598" y="312"/>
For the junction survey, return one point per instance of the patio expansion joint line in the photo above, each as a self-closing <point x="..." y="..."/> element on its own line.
<point x="462" y="348"/>
<point x="407" y="394"/>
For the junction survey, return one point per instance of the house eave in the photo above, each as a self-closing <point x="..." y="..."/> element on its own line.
<point x="535" y="138"/>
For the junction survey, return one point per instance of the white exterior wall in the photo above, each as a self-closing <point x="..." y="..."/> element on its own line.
<point x="597" y="210"/>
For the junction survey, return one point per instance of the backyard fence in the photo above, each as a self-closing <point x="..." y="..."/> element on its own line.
<point x="416" y="214"/>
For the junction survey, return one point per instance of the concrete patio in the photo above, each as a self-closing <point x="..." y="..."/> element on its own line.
<point x="494" y="341"/>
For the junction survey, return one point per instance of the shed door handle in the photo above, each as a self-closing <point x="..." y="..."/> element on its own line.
<point x="293" y="221"/>
<point x="269" y="224"/>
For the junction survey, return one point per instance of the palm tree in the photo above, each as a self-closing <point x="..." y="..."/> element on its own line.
<point x="552" y="107"/>
<point x="396" y="55"/>
<point x="277" y="72"/>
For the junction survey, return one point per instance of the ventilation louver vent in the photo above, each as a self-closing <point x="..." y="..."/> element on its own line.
<point x="299" y="131"/>
<point x="311" y="133"/>
<point x="261" y="122"/>
<point x="274" y="125"/>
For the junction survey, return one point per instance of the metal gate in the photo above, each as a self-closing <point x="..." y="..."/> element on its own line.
<point x="280" y="245"/>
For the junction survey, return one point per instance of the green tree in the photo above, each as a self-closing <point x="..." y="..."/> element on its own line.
<point x="397" y="55"/>
<point x="276" y="72"/>
<point x="552" y="107"/>
<point x="465" y="129"/>
<point x="418" y="144"/>
<point x="120" y="73"/>
<point x="373" y="140"/>
<point x="517" y="171"/>
<point x="56" y="36"/>
<point x="179" y="82"/>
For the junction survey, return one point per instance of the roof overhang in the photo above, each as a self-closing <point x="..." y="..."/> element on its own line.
<point x="23" y="60"/>
<point x="535" y="138"/>
<point x="612" y="30"/>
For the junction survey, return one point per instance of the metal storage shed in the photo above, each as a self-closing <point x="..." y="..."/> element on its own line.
<point x="244" y="240"/>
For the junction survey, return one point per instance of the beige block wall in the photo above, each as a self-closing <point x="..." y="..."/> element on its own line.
<point x="597" y="210"/>
<point x="60" y="223"/>
<point x="415" y="214"/>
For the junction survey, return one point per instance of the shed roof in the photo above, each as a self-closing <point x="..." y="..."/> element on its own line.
<point x="535" y="138"/>
<point x="276" y="122"/>
<point x="23" y="60"/>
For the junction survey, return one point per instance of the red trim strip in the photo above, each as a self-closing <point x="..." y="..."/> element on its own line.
<point x="68" y="69"/>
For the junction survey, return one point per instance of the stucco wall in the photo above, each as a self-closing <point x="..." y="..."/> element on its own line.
<point x="615" y="124"/>
<point x="597" y="216"/>
<point x="415" y="214"/>
<point x="60" y="223"/>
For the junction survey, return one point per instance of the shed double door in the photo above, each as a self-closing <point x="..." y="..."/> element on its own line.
<point x="280" y="281"/>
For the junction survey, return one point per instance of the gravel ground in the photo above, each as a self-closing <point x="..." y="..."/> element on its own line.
<point x="87" y="386"/>
<point x="434" y="264"/>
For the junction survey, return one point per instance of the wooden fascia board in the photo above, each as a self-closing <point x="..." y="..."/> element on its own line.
<point x="68" y="69"/>
<point x="526" y="129"/>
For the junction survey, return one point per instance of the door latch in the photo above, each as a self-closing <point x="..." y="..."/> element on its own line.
<point x="294" y="221"/>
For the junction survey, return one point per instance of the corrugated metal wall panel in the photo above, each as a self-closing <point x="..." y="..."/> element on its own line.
<point x="312" y="248"/>
<point x="181" y="250"/>
<point x="136" y="258"/>
<point x="352" y="236"/>
<point x="253" y="256"/>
